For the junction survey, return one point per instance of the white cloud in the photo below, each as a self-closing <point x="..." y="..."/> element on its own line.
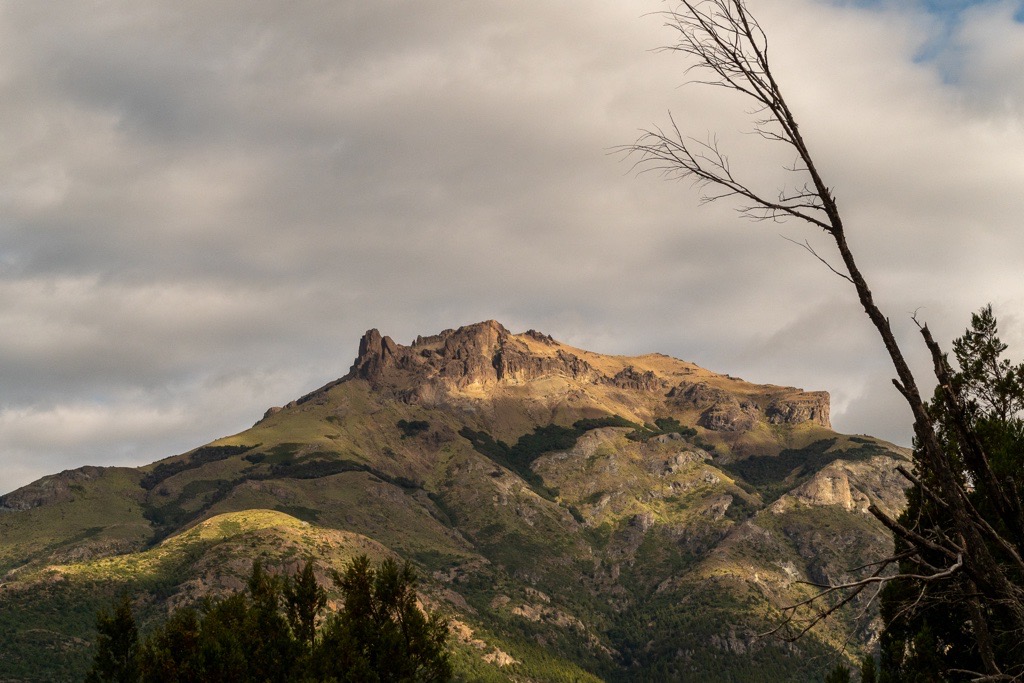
<point x="132" y="427"/>
<point x="193" y="192"/>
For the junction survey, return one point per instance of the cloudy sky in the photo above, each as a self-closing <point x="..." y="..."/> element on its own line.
<point x="204" y="205"/>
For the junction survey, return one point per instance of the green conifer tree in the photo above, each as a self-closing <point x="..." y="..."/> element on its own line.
<point x="840" y="674"/>
<point x="382" y="634"/>
<point x="268" y="634"/>
<point x="305" y="599"/>
<point x="117" y="645"/>
<point x="935" y="627"/>
<point x="868" y="672"/>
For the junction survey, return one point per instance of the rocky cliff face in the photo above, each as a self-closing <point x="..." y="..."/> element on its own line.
<point x="488" y="356"/>
<point x="482" y="354"/>
<point x="729" y="411"/>
<point x="796" y="408"/>
<point x="52" y="489"/>
<point x="852" y="486"/>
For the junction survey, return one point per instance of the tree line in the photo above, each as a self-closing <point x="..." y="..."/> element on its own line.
<point x="276" y="631"/>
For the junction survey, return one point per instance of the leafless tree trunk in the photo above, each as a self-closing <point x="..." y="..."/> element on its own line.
<point x="729" y="49"/>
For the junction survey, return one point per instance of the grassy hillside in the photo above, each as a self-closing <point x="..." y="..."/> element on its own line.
<point x="579" y="517"/>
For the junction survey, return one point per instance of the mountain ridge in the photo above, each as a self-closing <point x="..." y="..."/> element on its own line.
<point x="555" y="500"/>
<point x="474" y="360"/>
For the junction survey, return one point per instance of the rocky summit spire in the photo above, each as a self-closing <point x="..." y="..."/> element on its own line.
<point x="468" y="354"/>
<point x="481" y="354"/>
<point x="375" y="354"/>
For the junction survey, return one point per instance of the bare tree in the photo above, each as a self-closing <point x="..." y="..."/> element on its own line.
<point x="980" y="552"/>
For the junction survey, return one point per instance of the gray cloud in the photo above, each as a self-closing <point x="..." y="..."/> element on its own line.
<point x="202" y="206"/>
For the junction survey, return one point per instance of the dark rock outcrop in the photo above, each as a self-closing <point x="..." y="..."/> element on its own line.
<point x="811" y="406"/>
<point x="722" y="411"/>
<point x="375" y="354"/>
<point x="729" y="416"/>
<point x="630" y="378"/>
<point x="699" y="395"/>
<point x="515" y="362"/>
<point x="56" y="488"/>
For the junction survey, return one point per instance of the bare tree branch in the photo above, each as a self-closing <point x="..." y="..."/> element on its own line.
<point x="851" y="589"/>
<point x="807" y="246"/>
<point x="975" y="559"/>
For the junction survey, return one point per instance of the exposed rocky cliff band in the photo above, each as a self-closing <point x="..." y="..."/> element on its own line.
<point x="483" y="355"/>
<point x="487" y="355"/>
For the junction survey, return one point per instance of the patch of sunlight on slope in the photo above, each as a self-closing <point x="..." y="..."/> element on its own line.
<point x="246" y="532"/>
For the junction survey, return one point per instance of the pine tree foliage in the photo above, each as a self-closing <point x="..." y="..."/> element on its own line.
<point x="868" y="670"/>
<point x="840" y="674"/>
<point x="382" y="633"/>
<point x="274" y="633"/>
<point x="117" y="645"/>
<point x="305" y="599"/>
<point x="946" y="630"/>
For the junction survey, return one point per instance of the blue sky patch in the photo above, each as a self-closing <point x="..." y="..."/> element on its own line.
<point x="949" y="10"/>
<point x="940" y="48"/>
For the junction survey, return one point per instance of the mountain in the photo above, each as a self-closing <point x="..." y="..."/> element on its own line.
<point x="579" y="516"/>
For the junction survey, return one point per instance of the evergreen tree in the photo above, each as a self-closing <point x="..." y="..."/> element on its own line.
<point x="868" y="672"/>
<point x="305" y="599"/>
<point x="223" y="631"/>
<point x="171" y="653"/>
<point x="268" y="634"/>
<point x="243" y="637"/>
<point x="117" y="645"/>
<point x="381" y="634"/>
<point x="933" y="628"/>
<point x="270" y="647"/>
<point x="840" y="674"/>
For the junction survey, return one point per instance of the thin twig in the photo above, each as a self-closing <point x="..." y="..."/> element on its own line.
<point x="805" y="245"/>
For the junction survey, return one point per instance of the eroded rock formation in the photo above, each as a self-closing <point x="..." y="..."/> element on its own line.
<point x="475" y="360"/>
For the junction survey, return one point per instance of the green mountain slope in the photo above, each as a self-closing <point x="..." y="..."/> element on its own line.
<point x="579" y="516"/>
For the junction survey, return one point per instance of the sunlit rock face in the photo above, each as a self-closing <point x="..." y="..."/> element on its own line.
<point x="486" y="356"/>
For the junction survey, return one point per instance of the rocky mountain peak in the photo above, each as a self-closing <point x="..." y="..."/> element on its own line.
<point x="589" y="493"/>
<point x="51" y="489"/>
<point x="484" y="357"/>
<point x="468" y="354"/>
